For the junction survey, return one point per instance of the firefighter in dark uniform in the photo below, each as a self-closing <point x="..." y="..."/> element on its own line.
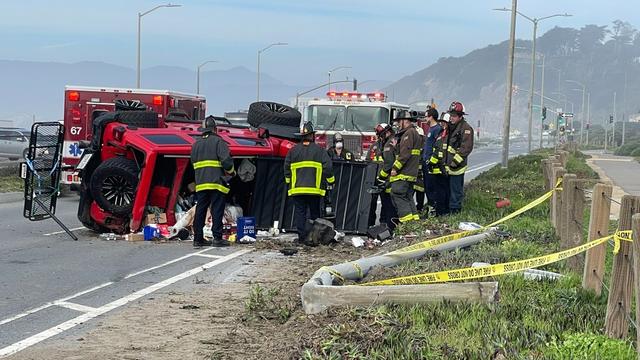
<point x="387" y="211"/>
<point x="338" y="151"/>
<point x="305" y="168"/>
<point x="405" y="168"/>
<point x="374" y="155"/>
<point x="437" y="179"/>
<point x="460" y="145"/>
<point x="212" y="163"/>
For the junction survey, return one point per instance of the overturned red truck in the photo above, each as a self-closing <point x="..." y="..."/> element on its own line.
<point x="137" y="160"/>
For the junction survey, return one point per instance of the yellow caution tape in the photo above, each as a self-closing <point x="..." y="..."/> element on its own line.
<point x="490" y="270"/>
<point x="623" y="235"/>
<point x="333" y="272"/>
<point x="428" y="244"/>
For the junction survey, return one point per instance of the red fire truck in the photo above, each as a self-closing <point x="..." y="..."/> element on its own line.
<point x="84" y="104"/>
<point x="354" y="115"/>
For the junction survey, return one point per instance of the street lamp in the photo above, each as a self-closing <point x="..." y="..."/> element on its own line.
<point x="198" y="76"/>
<point x="506" y="125"/>
<point x="259" y="53"/>
<point x="535" y="22"/>
<point x="584" y="90"/>
<point x="336" y="69"/>
<point x="140" y="15"/>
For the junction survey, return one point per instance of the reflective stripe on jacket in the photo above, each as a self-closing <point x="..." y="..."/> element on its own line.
<point x="305" y="168"/>
<point x="211" y="159"/>
<point x="460" y="145"/>
<point x="408" y="159"/>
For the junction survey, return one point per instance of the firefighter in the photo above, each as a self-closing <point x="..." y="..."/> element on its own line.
<point x="460" y="145"/>
<point x="405" y="168"/>
<point x="436" y="177"/>
<point x="305" y="168"/>
<point x="338" y="151"/>
<point x="374" y="155"/>
<point x="418" y="187"/>
<point x="213" y="166"/>
<point x="387" y="211"/>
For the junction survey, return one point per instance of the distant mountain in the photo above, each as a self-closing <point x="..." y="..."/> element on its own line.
<point x="605" y="58"/>
<point x="36" y="88"/>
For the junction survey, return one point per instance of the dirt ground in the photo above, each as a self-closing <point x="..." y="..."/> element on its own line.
<point x="211" y="322"/>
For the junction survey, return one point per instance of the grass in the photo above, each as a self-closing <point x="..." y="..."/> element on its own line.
<point x="11" y="183"/>
<point x="533" y="319"/>
<point x="267" y="304"/>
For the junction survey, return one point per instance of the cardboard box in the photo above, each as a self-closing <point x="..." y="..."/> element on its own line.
<point x="156" y="218"/>
<point x="135" y="237"/>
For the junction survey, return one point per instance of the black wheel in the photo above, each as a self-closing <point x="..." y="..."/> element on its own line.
<point x="113" y="185"/>
<point x="130" y="105"/>
<point x="141" y="119"/>
<point x="264" y="112"/>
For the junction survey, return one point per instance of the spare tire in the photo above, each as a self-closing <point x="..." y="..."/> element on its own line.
<point x="141" y="119"/>
<point x="265" y="112"/>
<point x="113" y="185"/>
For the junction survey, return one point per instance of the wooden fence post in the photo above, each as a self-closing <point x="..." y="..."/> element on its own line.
<point x="565" y="211"/>
<point x="545" y="173"/>
<point x="556" y="202"/>
<point x="635" y="226"/>
<point x="598" y="227"/>
<point x="574" y="223"/>
<point x="563" y="155"/>
<point x="619" y="302"/>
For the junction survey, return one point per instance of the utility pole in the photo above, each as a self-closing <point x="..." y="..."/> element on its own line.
<point x="506" y="126"/>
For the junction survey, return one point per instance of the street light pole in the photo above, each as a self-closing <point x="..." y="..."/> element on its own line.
<point x="584" y="89"/>
<point x="198" y="75"/>
<point x="535" y="22"/>
<point x="140" y="15"/>
<point x="588" y="116"/>
<point x="336" y="69"/>
<point x="259" y="53"/>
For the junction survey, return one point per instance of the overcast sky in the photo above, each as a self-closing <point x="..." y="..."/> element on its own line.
<point x="380" y="40"/>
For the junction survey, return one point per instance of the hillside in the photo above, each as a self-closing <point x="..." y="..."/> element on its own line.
<point x="602" y="57"/>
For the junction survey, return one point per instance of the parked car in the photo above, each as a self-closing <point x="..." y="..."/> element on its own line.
<point x="14" y="143"/>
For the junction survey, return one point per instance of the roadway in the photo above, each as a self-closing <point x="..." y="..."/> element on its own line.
<point x="50" y="283"/>
<point x="622" y="170"/>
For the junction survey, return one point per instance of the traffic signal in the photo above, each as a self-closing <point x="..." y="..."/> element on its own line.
<point x="562" y="129"/>
<point x="610" y="119"/>
<point x="544" y="113"/>
<point x="355" y="84"/>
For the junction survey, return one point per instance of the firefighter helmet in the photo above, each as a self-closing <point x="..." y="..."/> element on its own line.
<point x="382" y="128"/>
<point x="307" y="129"/>
<point x="456" y="107"/>
<point x="337" y="137"/>
<point x="208" y="124"/>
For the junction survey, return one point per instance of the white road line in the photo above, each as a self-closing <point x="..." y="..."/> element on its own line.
<point x="209" y="256"/>
<point x="60" y="328"/>
<point x="481" y="167"/>
<point x="168" y="263"/>
<point x="76" y="307"/>
<point x="62" y="232"/>
<point x="49" y="304"/>
<point x="84" y="292"/>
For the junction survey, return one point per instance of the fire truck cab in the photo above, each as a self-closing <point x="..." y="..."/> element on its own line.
<point x="82" y="105"/>
<point x="352" y="114"/>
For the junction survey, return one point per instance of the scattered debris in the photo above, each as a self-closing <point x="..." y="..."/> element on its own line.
<point x="289" y="251"/>
<point x="190" y="307"/>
